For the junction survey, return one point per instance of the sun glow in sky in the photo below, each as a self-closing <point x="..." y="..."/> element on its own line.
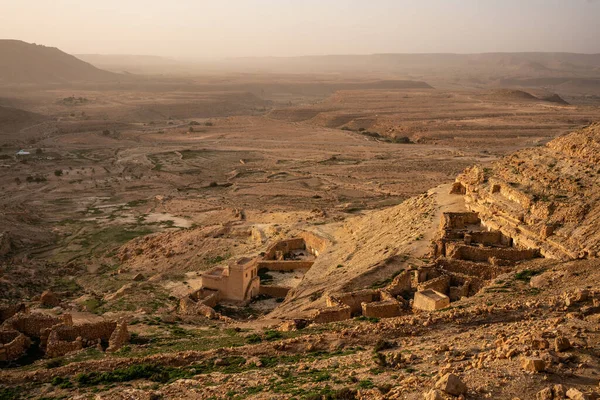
<point x="229" y="28"/>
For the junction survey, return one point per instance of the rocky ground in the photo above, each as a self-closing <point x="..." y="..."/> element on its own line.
<point x="530" y="330"/>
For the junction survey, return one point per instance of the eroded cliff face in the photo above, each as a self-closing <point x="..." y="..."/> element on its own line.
<point x="545" y="197"/>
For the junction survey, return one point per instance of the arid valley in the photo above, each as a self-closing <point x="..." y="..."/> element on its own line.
<point x="328" y="232"/>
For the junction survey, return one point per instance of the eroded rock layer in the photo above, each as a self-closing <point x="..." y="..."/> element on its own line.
<point x="544" y="197"/>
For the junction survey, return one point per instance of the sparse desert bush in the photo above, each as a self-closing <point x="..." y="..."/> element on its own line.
<point x="58" y="172"/>
<point x="383" y="345"/>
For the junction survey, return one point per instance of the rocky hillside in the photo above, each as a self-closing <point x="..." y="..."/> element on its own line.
<point x="22" y="62"/>
<point x="545" y="197"/>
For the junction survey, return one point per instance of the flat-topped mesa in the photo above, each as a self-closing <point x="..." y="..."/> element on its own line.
<point x="545" y="198"/>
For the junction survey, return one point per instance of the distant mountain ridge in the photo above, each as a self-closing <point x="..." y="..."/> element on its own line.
<point x="26" y="63"/>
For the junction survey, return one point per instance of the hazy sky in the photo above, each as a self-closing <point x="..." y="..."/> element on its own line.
<point x="222" y="28"/>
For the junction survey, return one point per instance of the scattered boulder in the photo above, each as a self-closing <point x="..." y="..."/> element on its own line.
<point x="544" y="394"/>
<point x="560" y="392"/>
<point x="451" y="384"/>
<point x="541" y="281"/>
<point x="561" y="344"/>
<point x="540" y="344"/>
<point x="533" y="364"/>
<point x="575" y="394"/>
<point x="138" y="277"/>
<point x="49" y="299"/>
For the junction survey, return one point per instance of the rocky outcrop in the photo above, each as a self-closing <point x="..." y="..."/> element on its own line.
<point x="546" y="197"/>
<point x="49" y="299"/>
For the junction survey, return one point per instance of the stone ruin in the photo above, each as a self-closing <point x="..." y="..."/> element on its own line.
<point x="239" y="281"/>
<point x="57" y="335"/>
<point x="200" y="302"/>
<point x="466" y="256"/>
<point x="372" y="303"/>
<point x="13" y="344"/>
<point x="463" y="237"/>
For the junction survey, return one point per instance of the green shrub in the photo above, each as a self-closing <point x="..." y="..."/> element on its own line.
<point x="527" y="274"/>
<point x="273" y="335"/>
<point x="253" y="338"/>
<point x="383" y="345"/>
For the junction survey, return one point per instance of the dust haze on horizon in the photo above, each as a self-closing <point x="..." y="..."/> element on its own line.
<point x="189" y="29"/>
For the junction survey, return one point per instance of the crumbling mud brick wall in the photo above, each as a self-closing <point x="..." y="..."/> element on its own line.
<point x="440" y="284"/>
<point x="454" y="220"/>
<point x="458" y="188"/>
<point x="471" y="253"/>
<point x="10" y="310"/>
<point x="64" y="339"/>
<point x="315" y="244"/>
<point x="205" y="296"/>
<point x="278" y="250"/>
<point x="291" y="265"/>
<point x="488" y="238"/>
<point x="470" y="268"/>
<point x="35" y="325"/>
<point x="355" y="299"/>
<point x="55" y="347"/>
<point x="425" y="273"/>
<point x="381" y="309"/>
<point x="510" y="193"/>
<point x="274" y="291"/>
<point x="188" y="306"/>
<point x="332" y="314"/>
<point x="401" y="284"/>
<point x="13" y="345"/>
<point x="119" y="337"/>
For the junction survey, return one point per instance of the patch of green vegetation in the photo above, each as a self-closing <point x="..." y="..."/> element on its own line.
<point x="366" y="384"/>
<point x="92" y="304"/>
<point x="373" y="320"/>
<point x="271" y="335"/>
<point x="12" y="393"/>
<point x="253" y="338"/>
<point x="65" y="284"/>
<point x="154" y="373"/>
<point x="116" y="235"/>
<point x="218" y="259"/>
<point x="63" y="383"/>
<point x="527" y="274"/>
